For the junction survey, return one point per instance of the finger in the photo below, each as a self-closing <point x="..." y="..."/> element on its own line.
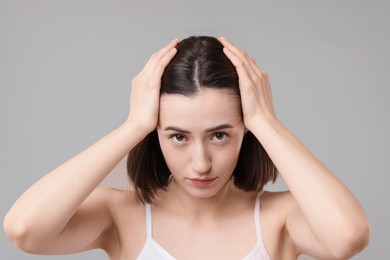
<point x="239" y="52"/>
<point x="165" y="61"/>
<point x="160" y="53"/>
<point x="247" y="64"/>
<point x="263" y="77"/>
<point x="259" y="71"/>
<point x="245" y="57"/>
<point x="245" y="72"/>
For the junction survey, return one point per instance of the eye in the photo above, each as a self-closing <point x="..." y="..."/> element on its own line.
<point x="178" y="138"/>
<point x="220" y="138"/>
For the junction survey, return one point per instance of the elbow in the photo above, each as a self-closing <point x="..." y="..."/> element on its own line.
<point x="15" y="231"/>
<point x="18" y="232"/>
<point x="352" y="241"/>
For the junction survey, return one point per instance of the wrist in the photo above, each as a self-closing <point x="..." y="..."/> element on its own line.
<point x="262" y="122"/>
<point x="140" y="124"/>
<point x="135" y="129"/>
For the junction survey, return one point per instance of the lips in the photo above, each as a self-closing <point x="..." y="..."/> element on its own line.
<point x="201" y="182"/>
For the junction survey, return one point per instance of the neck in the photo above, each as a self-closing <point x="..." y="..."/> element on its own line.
<point x="194" y="208"/>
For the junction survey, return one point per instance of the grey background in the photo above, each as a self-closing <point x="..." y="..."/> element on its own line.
<point x="66" y="67"/>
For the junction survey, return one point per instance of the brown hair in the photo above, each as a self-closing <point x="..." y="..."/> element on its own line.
<point x="199" y="63"/>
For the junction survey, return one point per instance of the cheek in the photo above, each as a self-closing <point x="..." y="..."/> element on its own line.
<point x="226" y="159"/>
<point x="174" y="158"/>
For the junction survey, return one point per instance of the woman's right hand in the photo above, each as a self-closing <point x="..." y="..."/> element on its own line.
<point x="145" y="89"/>
<point x="44" y="221"/>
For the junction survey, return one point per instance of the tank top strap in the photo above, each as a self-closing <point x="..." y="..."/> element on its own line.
<point x="257" y="216"/>
<point x="148" y="210"/>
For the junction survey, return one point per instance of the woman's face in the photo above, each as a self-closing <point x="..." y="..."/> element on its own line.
<point x="200" y="137"/>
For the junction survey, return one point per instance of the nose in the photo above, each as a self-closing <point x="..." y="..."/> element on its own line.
<point x="201" y="162"/>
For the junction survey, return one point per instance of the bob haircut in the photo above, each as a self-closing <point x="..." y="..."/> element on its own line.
<point x="198" y="64"/>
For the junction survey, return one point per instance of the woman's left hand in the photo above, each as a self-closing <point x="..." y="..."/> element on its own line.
<point x="255" y="89"/>
<point x="345" y="229"/>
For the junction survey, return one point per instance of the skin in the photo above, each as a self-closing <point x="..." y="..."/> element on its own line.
<point x="203" y="145"/>
<point x="319" y="216"/>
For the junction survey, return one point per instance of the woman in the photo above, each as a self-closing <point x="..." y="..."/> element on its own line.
<point x="203" y="140"/>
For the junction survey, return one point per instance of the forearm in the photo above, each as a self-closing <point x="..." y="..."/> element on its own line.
<point x="47" y="206"/>
<point x="328" y="206"/>
<point x="325" y="204"/>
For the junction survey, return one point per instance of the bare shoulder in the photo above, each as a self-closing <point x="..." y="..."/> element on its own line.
<point x="115" y="197"/>
<point x="118" y="199"/>
<point x="277" y="196"/>
<point x="121" y="204"/>
<point x="278" y="203"/>
<point x="127" y="234"/>
<point x="275" y="207"/>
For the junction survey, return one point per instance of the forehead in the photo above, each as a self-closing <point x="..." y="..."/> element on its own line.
<point x="206" y="108"/>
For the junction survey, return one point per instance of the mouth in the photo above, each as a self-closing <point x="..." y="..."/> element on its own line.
<point x="201" y="182"/>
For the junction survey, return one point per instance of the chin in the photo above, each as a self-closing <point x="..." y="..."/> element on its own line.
<point x="205" y="193"/>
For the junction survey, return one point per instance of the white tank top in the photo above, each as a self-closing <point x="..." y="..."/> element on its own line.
<point x="152" y="250"/>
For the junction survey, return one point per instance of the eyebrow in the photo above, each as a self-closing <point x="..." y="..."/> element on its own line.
<point x="216" y="128"/>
